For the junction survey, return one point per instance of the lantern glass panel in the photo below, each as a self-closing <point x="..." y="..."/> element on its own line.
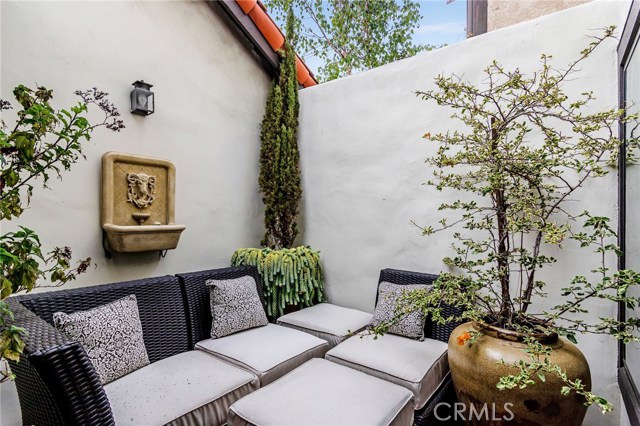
<point x="150" y="103"/>
<point x="141" y="98"/>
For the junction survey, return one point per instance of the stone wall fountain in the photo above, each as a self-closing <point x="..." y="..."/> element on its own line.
<point x="138" y="203"/>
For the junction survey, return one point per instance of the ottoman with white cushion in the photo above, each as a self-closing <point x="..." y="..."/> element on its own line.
<point x="329" y="322"/>
<point x="418" y="366"/>
<point x="185" y="389"/>
<point x="324" y="393"/>
<point x="269" y="352"/>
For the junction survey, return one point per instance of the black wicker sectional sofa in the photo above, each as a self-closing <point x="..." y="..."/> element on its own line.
<point x="58" y="385"/>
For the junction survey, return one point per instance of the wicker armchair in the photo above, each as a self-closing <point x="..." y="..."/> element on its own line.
<point x="56" y="382"/>
<point x="445" y="392"/>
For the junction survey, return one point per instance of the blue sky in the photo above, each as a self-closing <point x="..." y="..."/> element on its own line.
<point x="441" y="22"/>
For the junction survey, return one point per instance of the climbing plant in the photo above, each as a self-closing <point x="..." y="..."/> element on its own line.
<point x="279" y="177"/>
<point x="289" y="276"/>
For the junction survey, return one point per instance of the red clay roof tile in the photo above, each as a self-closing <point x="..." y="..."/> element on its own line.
<point x="246" y="5"/>
<point x="267" y="27"/>
<point x="270" y="31"/>
<point x="301" y="70"/>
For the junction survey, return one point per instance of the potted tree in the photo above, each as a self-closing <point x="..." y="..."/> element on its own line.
<point x="529" y="148"/>
<point x="292" y="276"/>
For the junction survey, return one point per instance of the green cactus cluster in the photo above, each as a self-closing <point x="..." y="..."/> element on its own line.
<point x="289" y="276"/>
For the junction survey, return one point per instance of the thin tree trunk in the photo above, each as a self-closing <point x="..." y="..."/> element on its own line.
<point x="503" y="238"/>
<point x="526" y="299"/>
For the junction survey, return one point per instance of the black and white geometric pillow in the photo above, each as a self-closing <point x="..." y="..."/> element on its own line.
<point x="111" y="335"/>
<point x="410" y="325"/>
<point x="235" y="306"/>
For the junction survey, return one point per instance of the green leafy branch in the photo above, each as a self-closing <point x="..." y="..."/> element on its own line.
<point x="522" y="188"/>
<point x="27" y="151"/>
<point x="538" y="366"/>
<point x="350" y="36"/>
<point x="43" y="142"/>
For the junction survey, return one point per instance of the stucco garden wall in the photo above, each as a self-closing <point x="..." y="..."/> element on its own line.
<point x="210" y="95"/>
<point x="363" y="163"/>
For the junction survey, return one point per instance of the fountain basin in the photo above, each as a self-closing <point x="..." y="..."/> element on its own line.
<point x="138" y="238"/>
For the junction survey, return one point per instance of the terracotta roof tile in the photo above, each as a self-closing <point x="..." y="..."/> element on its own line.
<point x="270" y="31"/>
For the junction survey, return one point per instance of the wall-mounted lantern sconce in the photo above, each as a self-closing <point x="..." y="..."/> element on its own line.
<point x="142" y="98"/>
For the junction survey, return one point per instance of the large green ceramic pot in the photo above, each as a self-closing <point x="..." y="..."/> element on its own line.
<point x="477" y="368"/>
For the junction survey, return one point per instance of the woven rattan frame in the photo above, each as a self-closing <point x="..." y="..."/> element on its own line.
<point x="164" y="326"/>
<point x="196" y="297"/>
<point x="433" y="331"/>
<point x="56" y="382"/>
<point x="445" y="393"/>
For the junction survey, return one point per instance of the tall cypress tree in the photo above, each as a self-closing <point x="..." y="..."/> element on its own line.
<point x="279" y="177"/>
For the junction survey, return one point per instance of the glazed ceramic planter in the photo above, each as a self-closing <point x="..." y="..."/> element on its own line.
<point x="477" y="368"/>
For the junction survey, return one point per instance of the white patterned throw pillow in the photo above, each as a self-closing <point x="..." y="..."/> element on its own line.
<point x="111" y="335"/>
<point x="410" y="325"/>
<point x="235" y="306"/>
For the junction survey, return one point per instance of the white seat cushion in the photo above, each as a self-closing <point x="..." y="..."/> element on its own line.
<point x="269" y="352"/>
<point x="329" y="322"/>
<point x="418" y="366"/>
<point x="188" y="388"/>
<point x="324" y="393"/>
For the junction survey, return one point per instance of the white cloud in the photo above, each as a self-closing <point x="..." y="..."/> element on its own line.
<point x="442" y="28"/>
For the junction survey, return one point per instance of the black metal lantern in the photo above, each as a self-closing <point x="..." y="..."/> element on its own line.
<point x="142" y="98"/>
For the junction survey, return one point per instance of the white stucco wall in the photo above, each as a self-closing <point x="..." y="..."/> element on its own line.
<point x="210" y="95"/>
<point x="363" y="162"/>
